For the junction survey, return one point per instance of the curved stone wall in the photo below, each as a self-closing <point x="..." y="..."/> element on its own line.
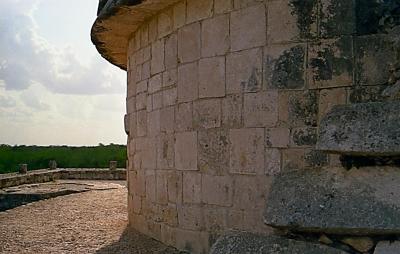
<point x="223" y="95"/>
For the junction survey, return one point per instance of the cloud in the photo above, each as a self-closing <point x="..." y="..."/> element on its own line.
<point x="7" y="102"/>
<point x="26" y="58"/>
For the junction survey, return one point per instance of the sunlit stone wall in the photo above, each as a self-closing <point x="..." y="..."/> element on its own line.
<point x="223" y="95"/>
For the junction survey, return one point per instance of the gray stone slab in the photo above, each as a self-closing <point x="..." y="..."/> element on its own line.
<point x="357" y="202"/>
<point x="387" y="247"/>
<point x="243" y="242"/>
<point x="362" y="129"/>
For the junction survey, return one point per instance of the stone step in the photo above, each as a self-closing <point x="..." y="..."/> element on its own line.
<point x="244" y="242"/>
<point x="332" y="200"/>
<point x="362" y="129"/>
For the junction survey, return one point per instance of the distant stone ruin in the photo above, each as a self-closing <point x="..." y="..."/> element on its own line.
<point x="275" y="118"/>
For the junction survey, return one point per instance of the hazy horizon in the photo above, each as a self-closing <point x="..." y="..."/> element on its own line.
<point x="55" y="89"/>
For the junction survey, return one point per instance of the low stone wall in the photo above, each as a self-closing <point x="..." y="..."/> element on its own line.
<point x="41" y="176"/>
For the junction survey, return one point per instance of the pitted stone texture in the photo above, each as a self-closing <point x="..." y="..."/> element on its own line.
<point x="362" y="129"/>
<point x="387" y="247"/>
<point x="243" y="242"/>
<point x="333" y="200"/>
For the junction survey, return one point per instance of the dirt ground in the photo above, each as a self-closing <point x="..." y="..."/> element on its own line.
<point x="89" y="222"/>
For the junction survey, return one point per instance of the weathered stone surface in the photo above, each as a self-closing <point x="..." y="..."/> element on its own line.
<point x="362" y="129"/>
<point x="243" y="242"/>
<point x="387" y="247"/>
<point x="333" y="200"/>
<point x="362" y="244"/>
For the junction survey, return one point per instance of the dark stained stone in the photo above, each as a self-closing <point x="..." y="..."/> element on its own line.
<point x="336" y="201"/>
<point x="243" y="242"/>
<point x="306" y="12"/>
<point x="337" y="18"/>
<point x="303" y="108"/>
<point x="362" y="129"/>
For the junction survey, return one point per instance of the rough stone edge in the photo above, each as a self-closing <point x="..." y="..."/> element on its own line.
<point x="115" y="23"/>
<point x="68" y="173"/>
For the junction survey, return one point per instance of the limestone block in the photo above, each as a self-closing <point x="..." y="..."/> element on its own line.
<point x="167" y="119"/>
<point x="186" y="151"/>
<point x="165" y="22"/>
<point x="207" y="113"/>
<point x="243" y="242"/>
<point x="149" y="103"/>
<point x="141" y="127"/>
<point x="215" y="36"/>
<point x="142" y="86"/>
<point x="232" y="111"/>
<point x="330" y="63"/>
<point x="184" y="117"/>
<point x="191" y="188"/>
<point x="243" y="71"/>
<point x="146" y="53"/>
<point x="386" y="247"/>
<point x="284" y="66"/>
<point x="175" y="187"/>
<point x="363" y="129"/>
<point x="214" y="151"/>
<point x="335" y="200"/>
<point x="146" y="70"/>
<point x="212" y="77"/>
<point x="192" y="241"/>
<point x="144" y="35"/>
<point x="136" y="203"/>
<point x="277" y="137"/>
<point x="153" y="29"/>
<point x="154" y="83"/>
<point x="171" y="51"/>
<point x="337" y="18"/>
<point x="260" y="109"/>
<point x="189" y="43"/>
<point x="188" y="82"/>
<point x="137" y="183"/>
<point x="157" y="99"/>
<point x="168" y="235"/>
<point x="328" y="98"/>
<point x="157" y="57"/>
<point x="217" y="190"/>
<point x="131" y="104"/>
<point x="222" y="6"/>
<point x="149" y="154"/>
<point x="303" y="136"/>
<point x="153" y="123"/>
<point x="170" y="96"/>
<point x="165" y="151"/>
<point x="247" y="151"/>
<point x="198" y="10"/>
<point x="179" y="14"/>
<point x="161" y="187"/>
<point x="150" y="185"/>
<point x="272" y="161"/>
<point x="190" y="217"/>
<point x="241" y="20"/>
<point x="249" y="192"/>
<point x="169" y="214"/>
<point x="245" y="3"/>
<point x="170" y="77"/>
<point x="215" y="218"/>
<point x="293" y="159"/>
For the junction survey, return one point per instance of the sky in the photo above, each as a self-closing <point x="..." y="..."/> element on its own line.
<point x="55" y="88"/>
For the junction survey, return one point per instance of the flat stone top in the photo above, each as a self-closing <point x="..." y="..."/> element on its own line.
<point x="116" y="21"/>
<point x="362" y="129"/>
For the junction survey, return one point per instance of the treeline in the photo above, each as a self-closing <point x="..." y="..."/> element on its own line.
<point x="38" y="157"/>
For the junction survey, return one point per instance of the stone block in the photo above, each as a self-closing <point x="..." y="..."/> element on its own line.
<point x="150" y="177"/>
<point x="153" y="29"/>
<point x="169" y="214"/>
<point x="184" y="117"/>
<point x="260" y="109"/>
<point x="191" y="188"/>
<point x="215" y="36"/>
<point x="167" y="119"/>
<point x="153" y="123"/>
<point x="157" y="57"/>
<point x="337" y="18"/>
<point x="315" y="158"/>
<point x="217" y="190"/>
<point x="161" y="187"/>
<point x="165" y="151"/>
<point x="168" y="235"/>
<point x="189" y="43"/>
<point x="157" y="99"/>
<point x="179" y="14"/>
<point x="165" y="22"/>
<point x="192" y="241"/>
<point x="169" y="96"/>
<point x="361" y="129"/>
<point x="141" y="101"/>
<point x="207" y="113"/>
<point x="190" y="217"/>
<point x="330" y="63"/>
<point x="132" y="125"/>
<point x="277" y="137"/>
<point x="175" y="187"/>
<point x="373" y="56"/>
<point x="247" y="151"/>
<point x="136" y="203"/>
<point x="328" y="98"/>
<point x="241" y="20"/>
<point x="222" y="6"/>
<point x="272" y="161"/>
<point x="141" y="127"/>
<point x="387" y="247"/>
<point x="303" y="136"/>
<point x="149" y="154"/>
<point x="212" y="77"/>
<point x="131" y="104"/>
<point x="144" y="35"/>
<point x="198" y="10"/>
<point x="146" y="53"/>
<point x="300" y="22"/>
<point x="284" y="66"/>
<point x="188" y="82"/>
<point x="146" y="70"/>
<point x="337" y="201"/>
<point x="137" y="183"/>
<point x="243" y="71"/>
<point x="142" y="87"/>
<point x="250" y="192"/>
<point x="214" y="151"/>
<point x="149" y="103"/>
<point x="171" y="51"/>
<point x="170" y="78"/>
<point x="244" y="242"/>
<point x="186" y="151"/>
<point x="293" y="159"/>
<point x="215" y="219"/>
<point x="232" y="111"/>
<point x="155" y="83"/>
